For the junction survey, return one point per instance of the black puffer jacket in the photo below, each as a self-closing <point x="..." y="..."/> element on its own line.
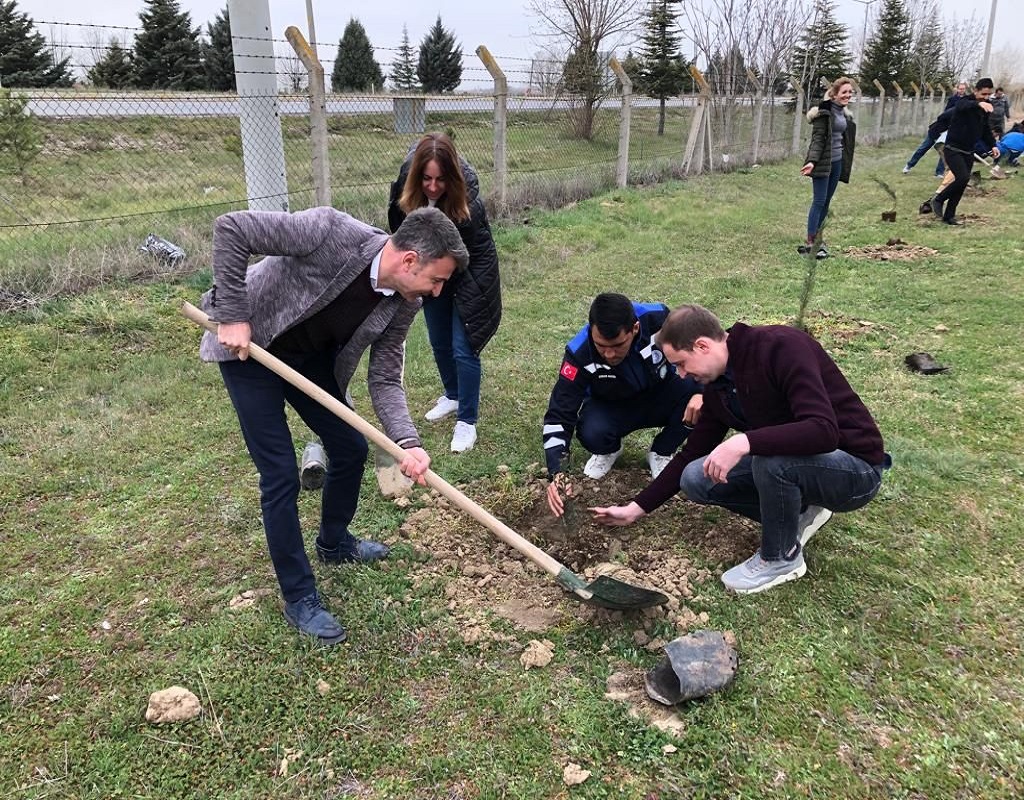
<point x="819" y="151"/>
<point x="477" y="288"/>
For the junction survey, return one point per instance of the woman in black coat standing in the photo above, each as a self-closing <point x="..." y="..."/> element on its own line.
<point x="829" y="156"/>
<point x="465" y="316"/>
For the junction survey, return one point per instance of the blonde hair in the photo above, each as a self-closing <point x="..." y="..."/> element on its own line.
<point x="838" y="84"/>
<point x="455" y="201"/>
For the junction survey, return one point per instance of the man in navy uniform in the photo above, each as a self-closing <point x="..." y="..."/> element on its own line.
<point x="613" y="381"/>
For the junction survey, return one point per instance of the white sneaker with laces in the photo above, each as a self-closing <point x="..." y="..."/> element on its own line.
<point x="444" y="406"/>
<point x="810" y="521"/>
<point x="657" y="462"/>
<point x="906" y="170"/>
<point x="756" y="575"/>
<point x="600" y="465"/>
<point x="464" y="437"/>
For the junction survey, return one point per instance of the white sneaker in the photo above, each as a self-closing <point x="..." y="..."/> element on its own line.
<point x="810" y="521"/>
<point x="657" y="462"/>
<point x="444" y="406"/>
<point x="599" y="466"/>
<point x="906" y="170"/>
<point x="464" y="437"/>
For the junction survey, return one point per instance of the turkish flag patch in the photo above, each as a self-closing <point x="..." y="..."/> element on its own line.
<point x="568" y="371"/>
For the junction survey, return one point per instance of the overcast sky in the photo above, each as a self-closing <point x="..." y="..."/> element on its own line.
<point x="504" y="26"/>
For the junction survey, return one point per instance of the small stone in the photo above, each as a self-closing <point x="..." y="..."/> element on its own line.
<point x="323" y="687"/>
<point x="641" y="638"/>
<point x="174" y="704"/>
<point x="669" y="749"/>
<point x="941" y="328"/>
<point x="106" y="625"/>
<point x="537" y="654"/>
<point x="503" y="469"/>
<point x="574" y="774"/>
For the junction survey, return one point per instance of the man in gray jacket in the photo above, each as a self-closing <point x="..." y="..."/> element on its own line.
<point x="327" y="288"/>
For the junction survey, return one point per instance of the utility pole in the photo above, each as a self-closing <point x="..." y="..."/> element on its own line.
<point x="864" y="34"/>
<point x="988" y="40"/>
<point x="311" y="26"/>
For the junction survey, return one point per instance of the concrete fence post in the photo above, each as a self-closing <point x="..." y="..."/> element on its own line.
<point x="500" y="125"/>
<point x="916" y="106"/>
<point x="698" y="152"/>
<point x="942" y="98"/>
<point x="622" y="165"/>
<point x="881" y="111"/>
<point x="317" y="114"/>
<point x="897" y="111"/>
<point x="758" y="112"/>
<point x="798" y="117"/>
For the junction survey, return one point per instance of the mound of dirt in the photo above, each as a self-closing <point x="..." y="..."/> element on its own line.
<point x="489" y="586"/>
<point x="892" y="250"/>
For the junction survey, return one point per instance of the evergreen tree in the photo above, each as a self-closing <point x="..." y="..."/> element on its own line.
<point x="926" y="58"/>
<point x="115" y="70"/>
<point x="25" y="59"/>
<point x="20" y="139"/>
<point x="403" y="70"/>
<point x="632" y="67"/>
<point x="355" y="68"/>
<point x="166" y="51"/>
<point x="440" y="65"/>
<point x="661" y="71"/>
<point x="887" y="53"/>
<point x="727" y="74"/>
<point x="218" y="54"/>
<point x="821" y="52"/>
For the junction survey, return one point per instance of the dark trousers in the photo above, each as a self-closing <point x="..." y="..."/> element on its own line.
<point x="259" y="398"/>
<point x="603" y="423"/>
<point x="961" y="164"/>
<point x="772" y="490"/>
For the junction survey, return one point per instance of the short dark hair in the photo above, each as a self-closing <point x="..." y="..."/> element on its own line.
<point x="999" y="88"/>
<point x="432" y="235"/>
<point x="686" y="324"/>
<point x="612" y="313"/>
<point x="984" y="83"/>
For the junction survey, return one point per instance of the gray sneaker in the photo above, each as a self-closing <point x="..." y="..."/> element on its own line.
<point x="756" y="575"/>
<point x="810" y="521"/>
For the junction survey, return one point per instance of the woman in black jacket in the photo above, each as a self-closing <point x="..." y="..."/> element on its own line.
<point x="465" y="316"/>
<point x="829" y="156"/>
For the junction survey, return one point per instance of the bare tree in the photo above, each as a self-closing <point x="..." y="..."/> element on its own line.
<point x="291" y="74"/>
<point x="546" y="68"/>
<point x="963" y="46"/>
<point x="774" y="27"/>
<point x="586" y="29"/>
<point x="1006" y="66"/>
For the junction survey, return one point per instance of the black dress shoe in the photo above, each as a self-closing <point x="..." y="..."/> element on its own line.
<point x="358" y="551"/>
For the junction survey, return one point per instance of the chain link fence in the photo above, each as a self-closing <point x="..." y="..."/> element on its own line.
<point x="103" y="170"/>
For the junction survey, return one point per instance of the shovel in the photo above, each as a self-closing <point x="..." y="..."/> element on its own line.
<point x="605" y="591"/>
<point x="994" y="170"/>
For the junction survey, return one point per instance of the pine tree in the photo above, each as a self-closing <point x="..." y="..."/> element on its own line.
<point x="355" y="68"/>
<point x="440" y="65"/>
<point x="661" y="73"/>
<point x="25" y="59"/>
<point x="20" y="139"/>
<point x="115" y="70"/>
<point x="887" y="52"/>
<point x="926" y="58"/>
<point x="218" y="54"/>
<point x="821" y="53"/>
<point x="403" y="69"/>
<point x="166" y="53"/>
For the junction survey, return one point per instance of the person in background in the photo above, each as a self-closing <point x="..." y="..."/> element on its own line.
<point x="929" y="140"/>
<point x="1011" y="145"/>
<point x="829" y="157"/>
<point x="464" y="317"/>
<point x="1000" y="112"/>
<point x="969" y="123"/>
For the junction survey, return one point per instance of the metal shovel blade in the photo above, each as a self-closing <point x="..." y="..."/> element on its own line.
<point x="611" y="593"/>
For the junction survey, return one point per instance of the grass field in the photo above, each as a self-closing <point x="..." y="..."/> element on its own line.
<point x="130" y="519"/>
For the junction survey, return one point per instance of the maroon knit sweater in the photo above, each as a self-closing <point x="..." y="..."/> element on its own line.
<point x="794" y="399"/>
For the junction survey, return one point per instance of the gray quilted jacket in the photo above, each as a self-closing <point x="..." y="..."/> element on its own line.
<point x="309" y="259"/>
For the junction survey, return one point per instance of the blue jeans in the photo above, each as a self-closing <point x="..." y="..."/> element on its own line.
<point x="772" y="490"/>
<point x="258" y="396"/>
<point x="927" y="144"/>
<point x="457" y="364"/>
<point x="603" y="423"/>
<point x="823" y="189"/>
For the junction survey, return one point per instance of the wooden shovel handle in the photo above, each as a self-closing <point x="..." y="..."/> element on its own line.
<point x="332" y="404"/>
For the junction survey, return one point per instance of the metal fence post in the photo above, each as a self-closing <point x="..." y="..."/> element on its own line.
<point x="798" y="116"/>
<point x="881" y="111"/>
<point x="259" y="115"/>
<point x="897" y="112"/>
<point x="622" y="165"/>
<point x="500" y="124"/>
<point x="317" y="114"/>
<point x="758" y="113"/>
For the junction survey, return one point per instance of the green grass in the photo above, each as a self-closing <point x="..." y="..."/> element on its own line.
<point x="893" y="670"/>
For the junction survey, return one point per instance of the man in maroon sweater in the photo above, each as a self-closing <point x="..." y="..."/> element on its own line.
<point x="805" y="444"/>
